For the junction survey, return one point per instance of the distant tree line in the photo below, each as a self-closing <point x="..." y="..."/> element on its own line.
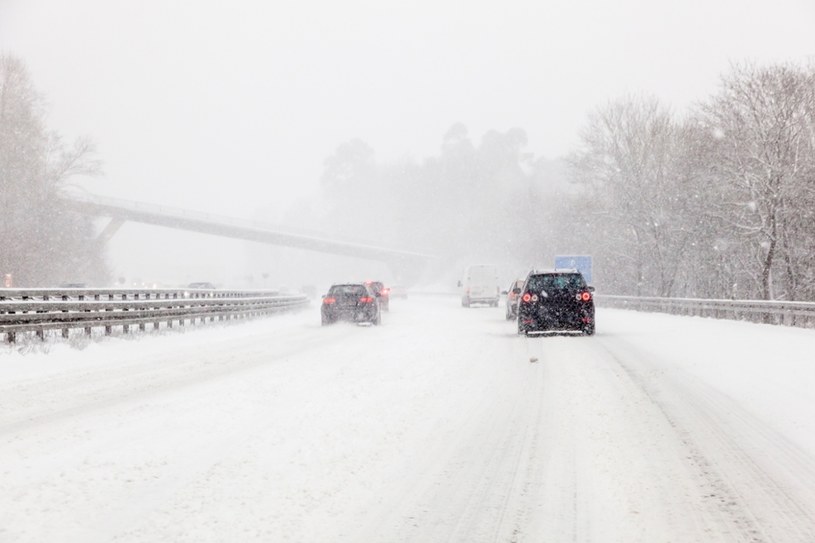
<point x="470" y="202"/>
<point x="718" y="202"/>
<point x="41" y="243"/>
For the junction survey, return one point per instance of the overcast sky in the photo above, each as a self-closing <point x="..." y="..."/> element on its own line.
<point x="222" y="106"/>
<point x="229" y="106"/>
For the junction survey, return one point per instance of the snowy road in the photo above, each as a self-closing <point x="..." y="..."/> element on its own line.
<point x="440" y="425"/>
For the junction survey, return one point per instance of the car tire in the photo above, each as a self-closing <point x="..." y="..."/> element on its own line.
<point x="465" y="302"/>
<point x="588" y="330"/>
<point x="509" y="315"/>
<point x="325" y="321"/>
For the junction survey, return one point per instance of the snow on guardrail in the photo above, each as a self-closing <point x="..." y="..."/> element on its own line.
<point x="38" y="310"/>
<point x="764" y="311"/>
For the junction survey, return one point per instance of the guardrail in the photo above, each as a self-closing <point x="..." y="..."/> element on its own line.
<point x="39" y="310"/>
<point x="771" y="312"/>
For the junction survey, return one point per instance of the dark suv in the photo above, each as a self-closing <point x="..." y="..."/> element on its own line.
<point x="353" y="302"/>
<point x="554" y="301"/>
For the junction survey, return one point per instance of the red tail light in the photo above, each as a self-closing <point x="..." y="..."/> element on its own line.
<point x="526" y="297"/>
<point x="366" y="300"/>
<point x="585" y="296"/>
<point x="329" y="301"/>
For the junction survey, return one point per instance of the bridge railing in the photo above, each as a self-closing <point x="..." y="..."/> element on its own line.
<point x="764" y="311"/>
<point x="39" y="310"/>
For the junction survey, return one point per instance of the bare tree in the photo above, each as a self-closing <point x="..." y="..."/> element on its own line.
<point x="627" y="165"/>
<point x="42" y="242"/>
<point x="763" y="158"/>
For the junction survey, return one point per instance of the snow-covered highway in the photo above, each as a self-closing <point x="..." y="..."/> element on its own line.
<point x="440" y="425"/>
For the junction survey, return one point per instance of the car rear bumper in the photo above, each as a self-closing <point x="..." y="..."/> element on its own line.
<point x="351" y="315"/>
<point x="555" y="320"/>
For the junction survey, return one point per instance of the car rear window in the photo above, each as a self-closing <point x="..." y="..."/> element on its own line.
<point x="348" y="290"/>
<point x="556" y="281"/>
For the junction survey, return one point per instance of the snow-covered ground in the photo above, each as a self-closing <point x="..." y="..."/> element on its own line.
<point x="440" y="425"/>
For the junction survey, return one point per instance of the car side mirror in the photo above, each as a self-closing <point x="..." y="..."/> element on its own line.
<point x="504" y="293"/>
<point x="591" y="288"/>
<point x="516" y="290"/>
<point x="458" y="283"/>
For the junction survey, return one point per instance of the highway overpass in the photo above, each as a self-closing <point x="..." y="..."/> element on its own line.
<point x="121" y="211"/>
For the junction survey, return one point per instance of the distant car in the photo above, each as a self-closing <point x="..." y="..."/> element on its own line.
<point x="353" y="302"/>
<point x="73" y="285"/>
<point x="513" y="295"/>
<point x="201" y="284"/>
<point x="480" y="286"/>
<point x="556" y="300"/>
<point x="381" y="292"/>
<point x="193" y="288"/>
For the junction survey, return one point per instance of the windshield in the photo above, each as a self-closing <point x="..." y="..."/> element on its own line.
<point x="562" y="281"/>
<point x="348" y="290"/>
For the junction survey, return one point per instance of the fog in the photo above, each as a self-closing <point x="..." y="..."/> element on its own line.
<point x="235" y="110"/>
<point x="665" y="151"/>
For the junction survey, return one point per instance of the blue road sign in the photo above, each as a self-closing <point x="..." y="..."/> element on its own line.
<point x="580" y="262"/>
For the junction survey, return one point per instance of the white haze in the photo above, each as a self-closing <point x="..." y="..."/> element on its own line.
<point x="232" y="107"/>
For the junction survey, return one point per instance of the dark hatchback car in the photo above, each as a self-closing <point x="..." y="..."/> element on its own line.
<point x="353" y="302"/>
<point x="553" y="301"/>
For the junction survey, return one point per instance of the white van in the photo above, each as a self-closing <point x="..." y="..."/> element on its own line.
<point x="480" y="286"/>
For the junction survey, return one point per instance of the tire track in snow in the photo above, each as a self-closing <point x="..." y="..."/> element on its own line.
<point x="508" y="472"/>
<point x="746" y="492"/>
<point x="473" y="484"/>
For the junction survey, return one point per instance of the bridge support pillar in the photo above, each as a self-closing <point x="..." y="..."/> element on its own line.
<point x="110" y="230"/>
